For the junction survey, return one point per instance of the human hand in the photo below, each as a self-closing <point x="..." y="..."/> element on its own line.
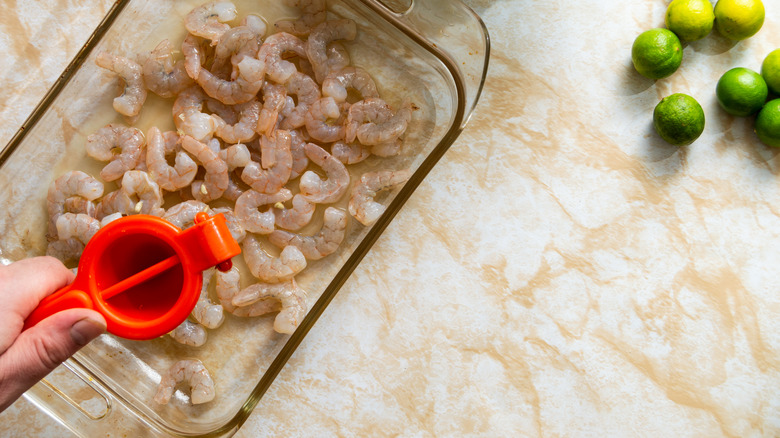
<point x="26" y="357"/>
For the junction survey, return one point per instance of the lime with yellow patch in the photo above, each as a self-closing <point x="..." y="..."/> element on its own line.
<point x="739" y="19"/>
<point x="656" y="53"/>
<point x="690" y="20"/>
<point x="678" y="119"/>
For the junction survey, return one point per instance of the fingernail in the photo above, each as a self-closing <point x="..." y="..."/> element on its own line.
<point x="85" y="330"/>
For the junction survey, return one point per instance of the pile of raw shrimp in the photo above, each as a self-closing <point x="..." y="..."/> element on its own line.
<point x="260" y="121"/>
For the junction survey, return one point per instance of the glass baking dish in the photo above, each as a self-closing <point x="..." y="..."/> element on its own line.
<point x="432" y="51"/>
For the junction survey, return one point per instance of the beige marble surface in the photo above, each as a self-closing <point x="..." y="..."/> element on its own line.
<point x="562" y="271"/>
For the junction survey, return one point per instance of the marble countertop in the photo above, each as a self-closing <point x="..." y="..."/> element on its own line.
<point x="561" y="272"/>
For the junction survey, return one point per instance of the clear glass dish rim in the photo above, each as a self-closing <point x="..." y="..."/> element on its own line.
<point x="461" y="117"/>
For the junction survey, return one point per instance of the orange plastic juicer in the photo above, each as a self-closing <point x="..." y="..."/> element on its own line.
<point x="144" y="274"/>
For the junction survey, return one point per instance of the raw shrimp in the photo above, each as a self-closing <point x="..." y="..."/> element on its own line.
<point x="256" y="24"/>
<point x="362" y="205"/>
<point x="139" y="185"/>
<point x="216" y="180"/>
<point x="235" y="186"/>
<point x="389" y="149"/>
<point x="242" y="89"/>
<point x="278" y="69"/>
<point x="195" y="374"/>
<point x="228" y="286"/>
<point x="244" y="130"/>
<point x="338" y="57"/>
<point x="337" y="84"/>
<point x="236" y="155"/>
<point x="115" y="202"/>
<point x="73" y="184"/>
<point x="162" y="75"/>
<point x="102" y="143"/>
<point x="250" y="218"/>
<point x="297" y="150"/>
<point x="183" y="214"/>
<point x="349" y="153"/>
<point x="189" y="333"/>
<point x="320" y="37"/>
<point x="194" y="53"/>
<point x="291" y="297"/>
<point x="110" y="218"/>
<point x="208" y="20"/>
<point x="275" y="165"/>
<point x="234" y="45"/>
<point x="313" y="14"/>
<point x="317" y="121"/>
<point x="231" y="220"/>
<point x="307" y="92"/>
<point x="296" y="217"/>
<point x="324" y="191"/>
<point x="77" y="204"/>
<point x="372" y="125"/>
<point x="371" y="109"/>
<point x="206" y="312"/>
<point x="78" y="226"/>
<point x="189" y="117"/>
<point x="65" y="250"/>
<point x="325" y="242"/>
<point x="272" y="269"/>
<point x="131" y="100"/>
<point x="274" y="96"/>
<point x="169" y="177"/>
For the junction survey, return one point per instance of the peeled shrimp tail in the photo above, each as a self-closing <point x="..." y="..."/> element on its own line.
<point x="378" y="133"/>
<point x="296" y="217"/>
<point x="102" y="143"/>
<point x="71" y="184"/>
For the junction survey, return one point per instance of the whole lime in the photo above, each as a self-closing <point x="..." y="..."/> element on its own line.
<point x="741" y="92"/>
<point x="770" y="71"/>
<point x="690" y="20"/>
<point x="768" y="123"/>
<point x="656" y="53"/>
<point x="739" y="19"/>
<point x="678" y="119"/>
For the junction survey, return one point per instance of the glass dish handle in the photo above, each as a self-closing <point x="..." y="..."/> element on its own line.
<point x="455" y="30"/>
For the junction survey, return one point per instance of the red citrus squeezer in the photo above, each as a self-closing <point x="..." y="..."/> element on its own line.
<point x="144" y="274"/>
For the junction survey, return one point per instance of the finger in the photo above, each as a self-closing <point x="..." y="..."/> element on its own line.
<point x="25" y="283"/>
<point x="40" y="349"/>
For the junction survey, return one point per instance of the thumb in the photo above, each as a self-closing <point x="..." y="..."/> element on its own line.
<point x="41" y="348"/>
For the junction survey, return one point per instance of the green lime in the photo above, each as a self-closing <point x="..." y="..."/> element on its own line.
<point x="770" y="71"/>
<point x="656" y="53"/>
<point x="690" y="20"/>
<point x="678" y="119"/>
<point x="768" y="124"/>
<point x="741" y="92"/>
<point x="739" y="19"/>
